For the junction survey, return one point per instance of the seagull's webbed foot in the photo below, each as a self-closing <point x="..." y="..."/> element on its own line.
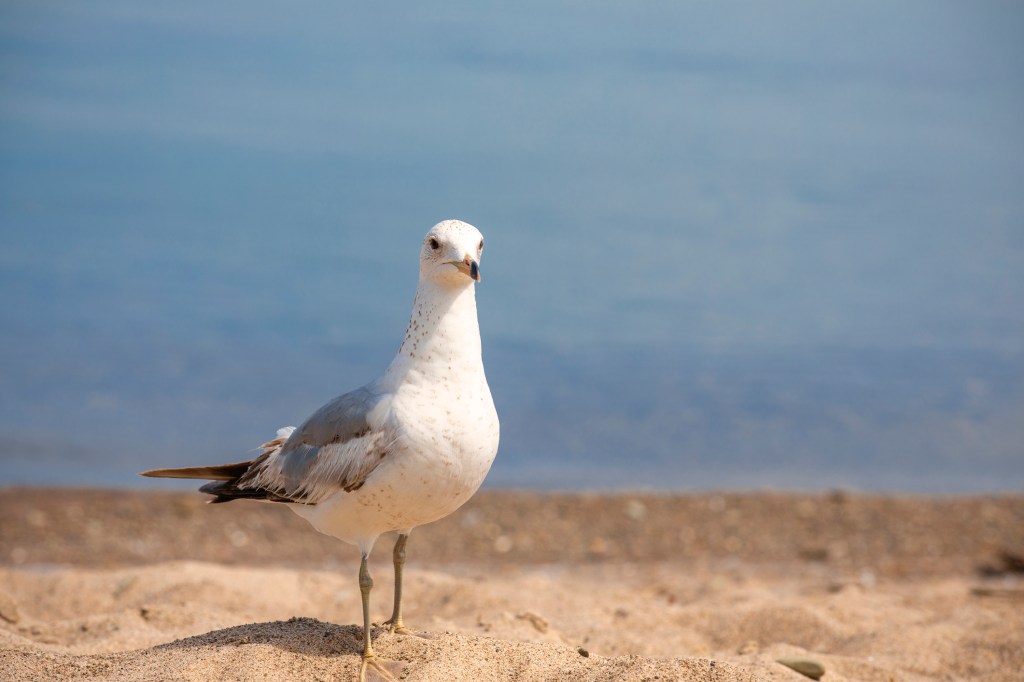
<point x="398" y="628"/>
<point x="374" y="669"/>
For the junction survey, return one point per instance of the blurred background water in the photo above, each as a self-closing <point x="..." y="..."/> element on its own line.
<point x="728" y="244"/>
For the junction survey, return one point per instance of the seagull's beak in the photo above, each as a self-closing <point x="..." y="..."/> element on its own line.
<point x="469" y="267"/>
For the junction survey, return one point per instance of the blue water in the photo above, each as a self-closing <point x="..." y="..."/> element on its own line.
<point x="728" y="244"/>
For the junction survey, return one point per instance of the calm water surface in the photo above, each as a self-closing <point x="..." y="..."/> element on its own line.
<point x="727" y="244"/>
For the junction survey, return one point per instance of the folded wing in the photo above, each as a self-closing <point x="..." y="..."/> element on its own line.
<point x="336" y="449"/>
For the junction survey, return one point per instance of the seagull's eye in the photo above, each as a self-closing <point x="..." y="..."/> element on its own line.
<point x="434" y="244"/>
<point x="481" y="247"/>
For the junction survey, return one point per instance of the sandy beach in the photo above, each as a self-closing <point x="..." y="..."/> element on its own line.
<point x="119" y="585"/>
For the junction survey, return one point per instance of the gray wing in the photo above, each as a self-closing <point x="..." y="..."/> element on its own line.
<point x="340" y="420"/>
<point x="335" y="449"/>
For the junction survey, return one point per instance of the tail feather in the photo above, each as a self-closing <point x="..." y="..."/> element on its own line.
<point x="235" y="481"/>
<point x="221" y="472"/>
<point x="228" y="481"/>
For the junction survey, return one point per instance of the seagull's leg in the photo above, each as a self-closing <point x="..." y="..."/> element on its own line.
<point x="372" y="668"/>
<point x="365" y="585"/>
<point x="395" y="622"/>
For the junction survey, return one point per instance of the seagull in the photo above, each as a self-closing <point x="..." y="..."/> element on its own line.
<point x="404" y="450"/>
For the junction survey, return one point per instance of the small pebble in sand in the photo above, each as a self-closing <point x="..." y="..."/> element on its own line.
<point x="582" y="652"/>
<point x="805" y="666"/>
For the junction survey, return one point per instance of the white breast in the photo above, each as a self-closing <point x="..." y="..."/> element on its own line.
<point x="440" y="459"/>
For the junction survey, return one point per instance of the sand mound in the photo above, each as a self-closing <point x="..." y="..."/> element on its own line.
<point x="309" y="649"/>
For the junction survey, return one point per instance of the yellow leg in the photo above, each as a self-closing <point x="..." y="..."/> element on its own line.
<point x="372" y="668"/>
<point x="395" y="622"/>
<point x="365" y="585"/>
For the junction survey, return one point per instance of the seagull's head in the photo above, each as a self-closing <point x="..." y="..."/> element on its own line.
<point x="451" y="254"/>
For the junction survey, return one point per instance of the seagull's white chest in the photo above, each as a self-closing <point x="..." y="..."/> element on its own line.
<point x="445" y="443"/>
<point x="449" y="431"/>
